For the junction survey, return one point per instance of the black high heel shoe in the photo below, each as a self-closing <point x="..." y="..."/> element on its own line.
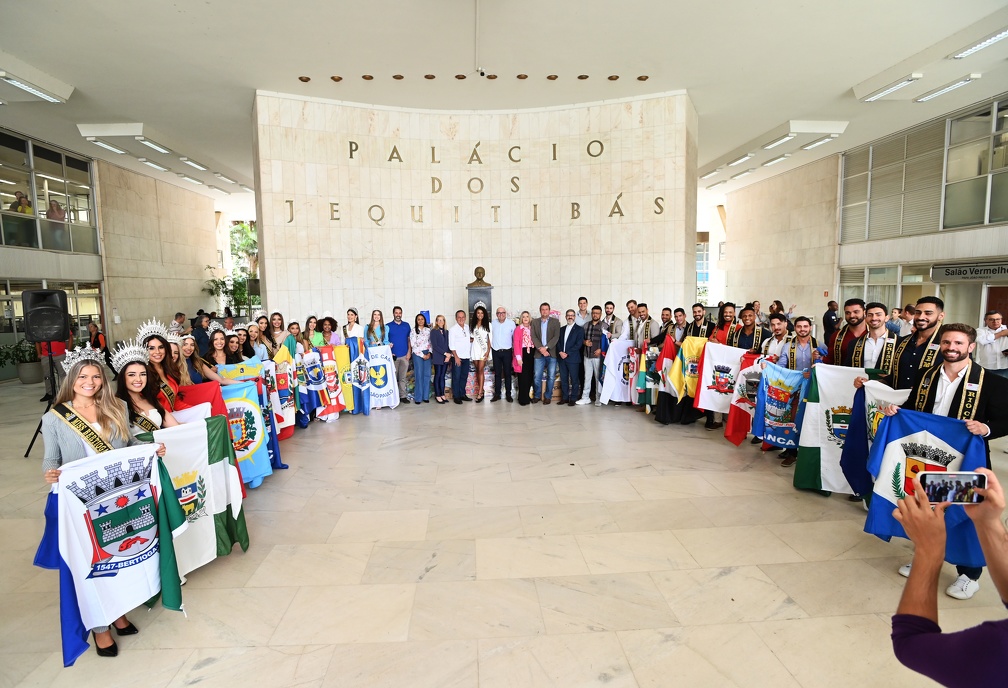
<point x="110" y="651"/>
<point x="129" y="630"/>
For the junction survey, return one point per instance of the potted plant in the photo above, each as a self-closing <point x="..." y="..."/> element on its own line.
<point x="24" y="356"/>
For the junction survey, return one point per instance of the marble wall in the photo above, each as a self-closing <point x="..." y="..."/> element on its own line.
<point x="782" y="239"/>
<point x="374" y="207"/>
<point x="156" y="240"/>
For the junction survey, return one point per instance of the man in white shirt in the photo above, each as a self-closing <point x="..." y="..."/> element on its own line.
<point x="864" y="351"/>
<point x="613" y="325"/>
<point x="907" y="326"/>
<point x="583" y="315"/>
<point x="773" y="347"/>
<point x="992" y="344"/>
<point x="460" y="343"/>
<point x="501" y="337"/>
<point x="177" y="326"/>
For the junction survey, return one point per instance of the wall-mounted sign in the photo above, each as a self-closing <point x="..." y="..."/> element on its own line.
<point x="958" y="272"/>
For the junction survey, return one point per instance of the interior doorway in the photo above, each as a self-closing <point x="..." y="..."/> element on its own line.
<point x="997" y="299"/>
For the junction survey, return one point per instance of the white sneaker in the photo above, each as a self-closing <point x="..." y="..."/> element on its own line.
<point x="963" y="588"/>
<point x="583" y="401"/>
<point x="904" y="570"/>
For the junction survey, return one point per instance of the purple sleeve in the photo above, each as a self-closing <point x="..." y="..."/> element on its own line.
<point x="977" y="656"/>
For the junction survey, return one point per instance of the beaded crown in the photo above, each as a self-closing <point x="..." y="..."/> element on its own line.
<point x="129" y="352"/>
<point x="213" y="327"/>
<point x="82" y="353"/>
<point x="151" y="328"/>
<point x="241" y="326"/>
<point x="258" y="314"/>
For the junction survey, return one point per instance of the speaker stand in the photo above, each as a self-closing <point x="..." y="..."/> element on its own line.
<point x="51" y="393"/>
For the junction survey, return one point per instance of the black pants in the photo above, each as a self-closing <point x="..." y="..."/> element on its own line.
<point x="439" y="376"/>
<point x="971" y="572"/>
<point x="503" y="370"/>
<point x="525" y="376"/>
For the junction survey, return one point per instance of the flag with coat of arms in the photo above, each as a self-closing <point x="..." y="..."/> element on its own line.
<point x="248" y="432"/>
<point x="381" y="371"/>
<point x="866" y="415"/>
<point x="718" y="368"/>
<point x="779" y="406"/>
<point x="360" y="376"/>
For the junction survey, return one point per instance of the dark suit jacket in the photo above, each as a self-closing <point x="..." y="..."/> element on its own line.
<point x="575" y="341"/>
<point x="552" y="335"/>
<point x="992" y="402"/>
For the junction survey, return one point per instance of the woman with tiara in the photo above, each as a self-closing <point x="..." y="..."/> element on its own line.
<point x="135" y="387"/>
<point x="255" y="340"/>
<point x="217" y="353"/>
<point x="278" y="332"/>
<point x="154" y="336"/>
<point x="244" y="348"/>
<point x="330" y="330"/>
<point x="232" y="348"/>
<point x="377" y="331"/>
<point x="86" y="419"/>
<point x="352" y="327"/>
<point x="197" y="368"/>
<point x="311" y="336"/>
<point x="480" y="328"/>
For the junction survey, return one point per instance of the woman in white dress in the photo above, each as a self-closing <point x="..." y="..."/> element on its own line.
<point x="480" y="328"/>
<point x="352" y="327"/>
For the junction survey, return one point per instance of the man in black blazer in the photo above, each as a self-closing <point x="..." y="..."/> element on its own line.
<point x="545" y="334"/>
<point x="569" y="346"/>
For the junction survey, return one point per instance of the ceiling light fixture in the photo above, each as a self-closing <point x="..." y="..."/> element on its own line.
<point x="642" y="77"/>
<point x="337" y="79"/>
<point x="742" y="174"/>
<point x="779" y="158"/>
<point x="367" y="77"/>
<point x="985" y="43"/>
<point x="193" y="163"/>
<point x="708" y="175"/>
<point x="893" y="87"/>
<point x="46" y="176"/>
<point x="246" y="188"/>
<point x="613" y="77"/>
<point x="151" y="163"/>
<point x="397" y="77"/>
<point x="428" y="76"/>
<point x="930" y="95"/>
<point x="223" y="178"/>
<point x="582" y="77"/>
<point x="151" y="144"/>
<point x="523" y="76"/>
<point x="723" y="181"/>
<point x="106" y="146"/>
<point x="7" y="181"/>
<point x="491" y="76"/>
<point x="190" y="179"/>
<point x="552" y="77"/>
<point x="739" y="161"/>
<point x="304" y="79"/>
<point x="217" y="188"/>
<point x="819" y="142"/>
<point x="30" y="88"/>
<point x="776" y="142"/>
<point x="460" y="77"/>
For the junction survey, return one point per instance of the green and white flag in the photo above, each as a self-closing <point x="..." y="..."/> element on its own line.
<point x="201" y="461"/>
<point x="830" y="400"/>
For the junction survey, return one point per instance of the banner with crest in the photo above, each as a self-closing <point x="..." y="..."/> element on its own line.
<point x="779" y="406"/>
<point x="333" y="389"/>
<point x="382" y="373"/>
<point x="248" y="432"/>
<point x="866" y="414"/>
<point x="719" y="368"/>
<point x="620" y="371"/>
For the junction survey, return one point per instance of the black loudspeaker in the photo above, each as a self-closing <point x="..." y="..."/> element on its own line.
<point x="46" y="317"/>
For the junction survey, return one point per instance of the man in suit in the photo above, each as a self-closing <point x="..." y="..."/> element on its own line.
<point x="959" y="388"/>
<point x="545" y="334"/>
<point x="569" y="346"/>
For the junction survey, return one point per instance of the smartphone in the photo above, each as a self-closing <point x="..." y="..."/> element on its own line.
<point x="955" y="487"/>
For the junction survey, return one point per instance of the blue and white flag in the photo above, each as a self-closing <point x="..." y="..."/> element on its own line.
<point x="248" y="431"/>
<point x="779" y="406"/>
<point x="360" y="376"/>
<point x="866" y="415"/>
<point x="382" y="373"/>
<point x="907" y="444"/>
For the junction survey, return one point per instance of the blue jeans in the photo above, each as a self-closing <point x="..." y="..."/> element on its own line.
<point x="421" y="378"/>
<point x="460" y="374"/>
<point x="439" y="375"/>
<point x="570" y="383"/>
<point x="549" y="364"/>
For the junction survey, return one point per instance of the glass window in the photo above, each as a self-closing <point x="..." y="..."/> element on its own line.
<point x="968" y="160"/>
<point x="13" y="151"/>
<point x="702" y="262"/>
<point x="965" y="203"/>
<point x="882" y="294"/>
<point x="13" y="184"/>
<point x="851" y="291"/>
<point x="916" y="274"/>
<point x="999" y="198"/>
<point x="885" y="275"/>
<point x="47" y="161"/>
<point x="19" y="230"/>
<point x="84" y="239"/>
<point x="999" y="158"/>
<point x="78" y="207"/>
<point x="1001" y="122"/>
<point x="78" y="171"/>
<point x="51" y="194"/>
<point x="970" y="127"/>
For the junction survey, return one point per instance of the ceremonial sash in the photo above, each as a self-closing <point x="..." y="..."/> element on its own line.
<point x="736" y="333"/>
<point x="82" y="428"/>
<point x="168" y="392"/>
<point x="695" y="330"/>
<point x="792" y="350"/>
<point x="970" y="389"/>
<point x="142" y="421"/>
<point x="927" y="360"/>
<point x="838" y="345"/>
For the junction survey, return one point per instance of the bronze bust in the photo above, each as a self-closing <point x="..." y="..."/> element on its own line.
<point x="479" y="273"/>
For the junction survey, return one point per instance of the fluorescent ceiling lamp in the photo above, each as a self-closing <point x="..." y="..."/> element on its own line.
<point x="190" y="179"/>
<point x="223" y="178"/>
<point x="217" y="188"/>
<point x="153" y="164"/>
<point x="779" y="158"/>
<point x="30" y="88"/>
<point x="193" y="163"/>
<point x="7" y="181"/>
<point x="717" y="184"/>
<point x="106" y="146"/>
<point x="819" y="142"/>
<point x="783" y="139"/>
<point x="46" y="176"/>
<point x="930" y="95"/>
<point x="247" y="188"/>
<point x="150" y="144"/>
<point x="985" y="43"/>
<point x="739" y="161"/>
<point x="742" y="174"/>
<point x="893" y="87"/>
<point x="709" y="174"/>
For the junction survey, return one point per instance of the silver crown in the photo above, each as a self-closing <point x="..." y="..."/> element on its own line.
<point x="311" y="314"/>
<point x="82" y="353"/>
<point x="188" y="335"/>
<point x="258" y="314"/>
<point x="174" y="338"/>
<point x="230" y="333"/>
<point x="129" y="352"/>
<point x="242" y="326"/>
<point x="151" y="328"/>
<point x="326" y="314"/>
<point x="478" y="304"/>
<point x="214" y="326"/>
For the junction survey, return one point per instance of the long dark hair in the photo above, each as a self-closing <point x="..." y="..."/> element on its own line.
<point x="149" y="392"/>
<point x="721" y="322"/>
<point x="235" y="357"/>
<point x="485" y="322"/>
<point x="208" y="357"/>
<point x="416" y="322"/>
<point x="168" y="364"/>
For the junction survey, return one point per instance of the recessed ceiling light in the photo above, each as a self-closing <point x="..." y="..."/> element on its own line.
<point x="367" y="77"/>
<point x="947" y="87"/>
<point x="428" y="76"/>
<point x="223" y="178"/>
<point x="460" y="76"/>
<point x="891" y="88"/>
<point x="106" y="146"/>
<point x="217" y="188"/>
<point x="723" y="181"/>
<point x="491" y="76"/>
<point x="151" y="144"/>
<point x="397" y="77"/>
<point x="986" y="42"/>
<point x="304" y="79"/>
<point x="47" y="176"/>
<point x="582" y="77"/>
<point x="552" y="77"/>
<point x="776" y="142"/>
<point x="642" y="77"/>
<point x="153" y="164"/>
<point x="739" y="161"/>
<point x="613" y="77"/>
<point x="246" y="188"/>
<point x="709" y="175"/>
<point x="819" y="142"/>
<point x="190" y="179"/>
<point x="779" y="158"/>
<point x="193" y="163"/>
<point x="337" y="79"/>
<point x="523" y="76"/>
<point x="742" y="174"/>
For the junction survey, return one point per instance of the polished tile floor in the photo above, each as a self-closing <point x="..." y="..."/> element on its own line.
<point x="495" y="545"/>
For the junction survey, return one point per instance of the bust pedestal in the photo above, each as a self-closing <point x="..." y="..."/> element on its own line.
<point x="478" y="294"/>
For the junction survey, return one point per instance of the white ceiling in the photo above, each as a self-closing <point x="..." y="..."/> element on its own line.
<point x="188" y="71"/>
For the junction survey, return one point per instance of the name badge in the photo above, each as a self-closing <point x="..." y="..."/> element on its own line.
<point x="932" y="347"/>
<point x="972" y="387"/>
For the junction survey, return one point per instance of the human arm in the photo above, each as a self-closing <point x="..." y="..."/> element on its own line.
<point x="168" y="420"/>
<point x="209" y="373"/>
<point x="926" y="528"/>
<point x="986" y="517"/>
<point x="53" y="457"/>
